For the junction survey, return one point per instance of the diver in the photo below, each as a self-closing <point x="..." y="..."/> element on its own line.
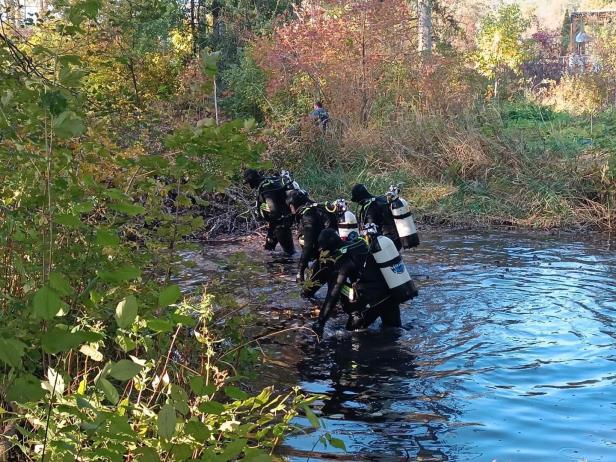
<point x="312" y="218"/>
<point x="369" y="278"/>
<point x="375" y="210"/>
<point x="272" y="207"/>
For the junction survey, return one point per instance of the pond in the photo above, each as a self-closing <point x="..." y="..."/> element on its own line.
<point x="508" y="353"/>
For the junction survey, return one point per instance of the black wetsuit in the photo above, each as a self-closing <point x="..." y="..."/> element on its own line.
<point x="313" y="218"/>
<point x="376" y="210"/>
<point x="271" y="205"/>
<point x="355" y="268"/>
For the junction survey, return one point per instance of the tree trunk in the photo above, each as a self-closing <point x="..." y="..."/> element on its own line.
<point x="193" y="26"/>
<point x="133" y="76"/>
<point x="363" y="86"/>
<point x="424" y="8"/>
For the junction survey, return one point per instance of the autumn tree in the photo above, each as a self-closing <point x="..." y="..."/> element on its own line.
<point x="500" y="48"/>
<point x="339" y="51"/>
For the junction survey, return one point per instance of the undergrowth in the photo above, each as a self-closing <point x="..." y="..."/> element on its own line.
<point x="517" y="164"/>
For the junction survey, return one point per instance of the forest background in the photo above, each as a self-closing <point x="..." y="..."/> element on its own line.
<point x="124" y="126"/>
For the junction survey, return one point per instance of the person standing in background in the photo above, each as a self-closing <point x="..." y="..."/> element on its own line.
<point x="320" y="115"/>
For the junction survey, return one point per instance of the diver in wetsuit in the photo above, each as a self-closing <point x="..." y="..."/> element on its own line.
<point x="312" y="218"/>
<point x="358" y="283"/>
<point x="272" y="207"/>
<point x="375" y="210"/>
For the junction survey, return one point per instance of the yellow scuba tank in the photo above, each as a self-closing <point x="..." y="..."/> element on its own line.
<point x="403" y="218"/>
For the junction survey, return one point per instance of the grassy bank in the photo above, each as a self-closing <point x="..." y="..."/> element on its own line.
<point x="518" y="164"/>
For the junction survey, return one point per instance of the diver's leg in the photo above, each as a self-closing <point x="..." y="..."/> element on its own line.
<point x="271" y="240"/>
<point x="284" y="234"/>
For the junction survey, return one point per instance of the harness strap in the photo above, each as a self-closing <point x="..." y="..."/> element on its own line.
<point x="392" y="262"/>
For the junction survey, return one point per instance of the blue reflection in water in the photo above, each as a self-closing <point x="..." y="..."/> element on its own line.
<point x="510" y="357"/>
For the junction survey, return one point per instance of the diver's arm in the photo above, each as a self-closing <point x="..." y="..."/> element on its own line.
<point x="373" y="215"/>
<point x="345" y="269"/>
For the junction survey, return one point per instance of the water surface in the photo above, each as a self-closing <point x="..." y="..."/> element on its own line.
<point x="508" y="354"/>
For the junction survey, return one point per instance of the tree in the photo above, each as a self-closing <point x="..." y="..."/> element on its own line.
<point x="566" y="32"/>
<point x="500" y="48"/>
<point x="424" y="8"/>
<point x="339" y="51"/>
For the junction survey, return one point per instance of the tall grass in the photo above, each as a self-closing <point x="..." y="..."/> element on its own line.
<point x="518" y="164"/>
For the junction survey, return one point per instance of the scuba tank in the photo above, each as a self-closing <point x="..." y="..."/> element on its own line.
<point x="288" y="181"/>
<point x="403" y="219"/>
<point x="348" y="229"/>
<point x="391" y="265"/>
<point x="282" y="181"/>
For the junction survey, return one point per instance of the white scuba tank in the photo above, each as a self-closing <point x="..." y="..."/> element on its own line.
<point x="405" y="225"/>
<point x="393" y="269"/>
<point x="348" y="229"/>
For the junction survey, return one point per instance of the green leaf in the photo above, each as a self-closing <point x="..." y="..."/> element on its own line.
<point x="167" y="421"/>
<point x="59" y="283"/>
<point x="126" y="343"/>
<point x="234" y="449"/>
<point x="184" y="320"/>
<point x="197" y="430"/>
<point x="125" y="273"/>
<point x="105" y="237"/>
<point x="68" y="125"/>
<point x="235" y="393"/>
<point x="108" y="389"/>
<point x="26" y="389"/>
<point x="177" y="393"/>
<point x="182" y="452"/>
<point x="128" y="209"/>
<point x="68" y="220"/>
<point x="70" y="77"/>
<point x="126" y="312"/>
<point x="46" y="304"/>
<point x="146" y="454"/>
<point x="83" y="403"/>
<point x="115" y="194"/>
<point x="169" y="295"/>
<point x="124" y="370"/>
<point x="256" y="455"/>
<point x="57" y="340"/>
<point x="337" y="443"/>
<point x="159" y="325"/>
<point x="83" y="207"/>
<point x="212" y="407"/>
<point x="312" y="418"/>
<point x="55" y="102"/>
<point x="11" y="352"/>
<point x="198" y="386"/>
<point x="249" y="124"/>
<point x="153" y="162"/>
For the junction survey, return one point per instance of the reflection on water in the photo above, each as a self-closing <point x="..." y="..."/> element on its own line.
<point x="508" y="355"/>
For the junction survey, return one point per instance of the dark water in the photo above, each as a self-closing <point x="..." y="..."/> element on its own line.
<point x="509" y="354"/>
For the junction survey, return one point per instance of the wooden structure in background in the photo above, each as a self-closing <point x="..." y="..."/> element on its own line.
<point x="579" y="19"/>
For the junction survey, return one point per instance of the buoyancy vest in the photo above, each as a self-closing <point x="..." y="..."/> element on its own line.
<point x="270" y="185"/>
<point x="387" y="225"/>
